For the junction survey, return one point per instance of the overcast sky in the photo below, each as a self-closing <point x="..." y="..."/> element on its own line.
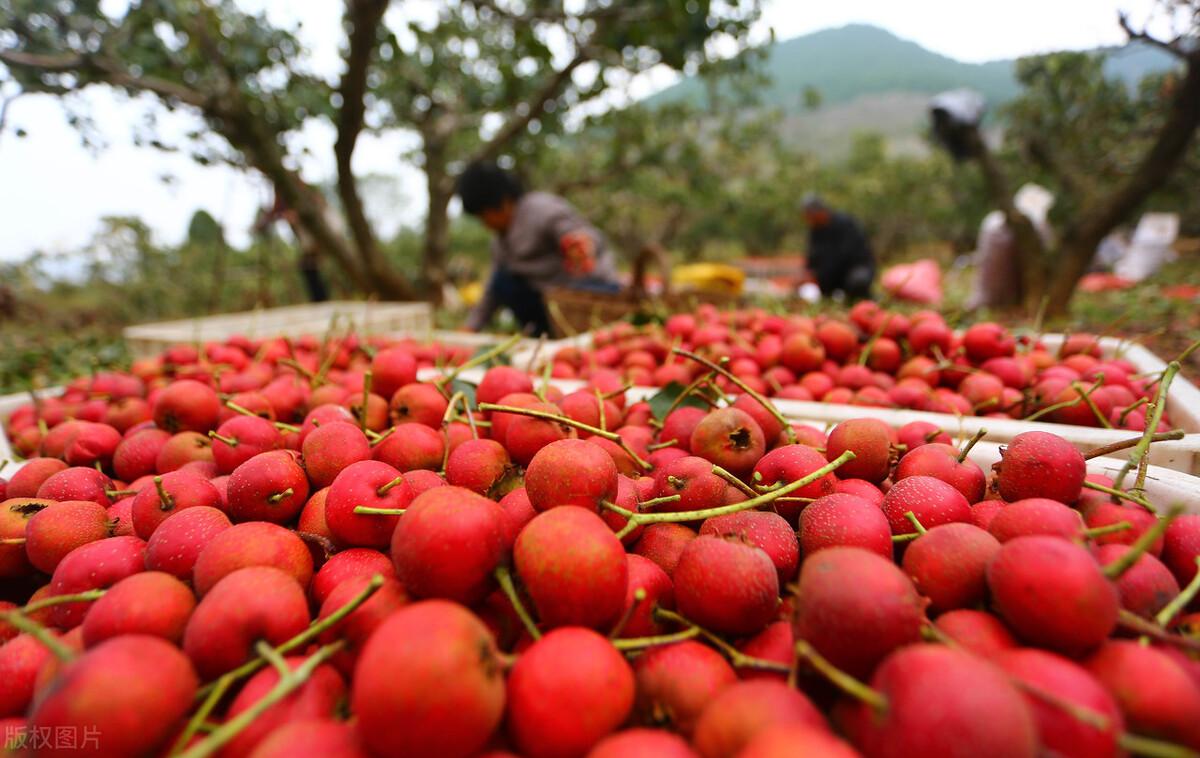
<point x="53" y="192"/>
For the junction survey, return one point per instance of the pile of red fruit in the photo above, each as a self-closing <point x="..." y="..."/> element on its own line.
<point x="301" y="550"/>
<point x="877" y="358"/>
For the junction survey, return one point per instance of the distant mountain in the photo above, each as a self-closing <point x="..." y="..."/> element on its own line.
<point x="870" y="79"/>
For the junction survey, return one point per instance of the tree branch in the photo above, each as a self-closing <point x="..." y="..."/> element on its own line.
<point x="531" y="107"/>
<point x="1174" y="47"/>
<point x="105" y="71"/>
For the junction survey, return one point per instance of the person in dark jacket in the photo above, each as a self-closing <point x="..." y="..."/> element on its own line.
<point x="839" y="255"/>
<point x="541" y="241"/>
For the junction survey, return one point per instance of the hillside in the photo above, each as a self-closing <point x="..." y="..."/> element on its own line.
<point x="870" y="79"/>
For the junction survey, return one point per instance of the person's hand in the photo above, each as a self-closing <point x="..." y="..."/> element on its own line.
<point x="579" y="253"/>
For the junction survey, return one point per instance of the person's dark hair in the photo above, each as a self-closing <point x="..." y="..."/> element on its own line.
<point x="484" y="185"/>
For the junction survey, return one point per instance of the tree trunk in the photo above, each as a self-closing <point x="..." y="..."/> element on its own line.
<point x="437" y="222"/>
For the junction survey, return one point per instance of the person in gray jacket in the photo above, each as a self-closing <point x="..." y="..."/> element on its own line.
<point x="541" y="241"/>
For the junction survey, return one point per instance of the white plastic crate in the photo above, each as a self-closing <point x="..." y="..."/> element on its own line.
<point x="366" y="316"/>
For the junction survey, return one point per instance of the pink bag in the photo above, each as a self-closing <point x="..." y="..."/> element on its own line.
<point x="917" y="282"/>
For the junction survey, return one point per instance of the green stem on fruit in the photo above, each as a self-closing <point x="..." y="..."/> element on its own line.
<point x="1153" y="418"/>
<point x="116" y="494"/>
<point x="912" y="519"/>
<point x="905" y="537"/>
<point x="374" y="438"/>
<point x="23" y="623"/>
<point x="299" y="369"/>
<point x="504" y="577"/>
<point x="1149" y="747"/>
<point x="1132" y="622"/>
<point x="639" y="597"/>
<point x="1091" y="404"/>
<point x="273" y="499"/>
<point x="1056" y="407"/>
<point x="12" y="541"/>
<point x="1122" y="564"/>
<point x="662" y="445"/>
<point x="49" y="602"/>
<point x="1100" y="531"/>
<point x="196" y="723"/>
<point x="637" y="643"/>
<point x="368" y="380"/>
<point x="466" y="404"/>
<point x="314" y="630"/>
<point x="289" y="681"/>
<point x="767" y="405"/>
<point x="637" y="519"/>
<point x="1121" y="494"/>
<point x="451" y="404"/>
<point x="657" y="501"/>
<point x="840" y="679"/>
<point x="600" y="408"/>
<point x="1180" y="601"/>
<point x="688" y="390"/>
<point x="366" y="510"/>
<point x="966" y="450"/>
<point x="165" y="501"/>
<point x="479" y="360"/>
<point x="568" y="421"/>
<point x="383" y="489"/>
<point x="737" y="658"/>
<point x="231" y="441"/>
<point x="729" y="477"/>
<point x="1114" y="447"/>
<point x="1131" y="408"/>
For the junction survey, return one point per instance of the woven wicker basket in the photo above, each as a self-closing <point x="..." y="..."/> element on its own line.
<point x="573" y="311"/>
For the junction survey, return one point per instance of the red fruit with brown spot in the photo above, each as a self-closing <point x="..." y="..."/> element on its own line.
<point x="931" y="500"/>
<point x="871" y="442"/>
<point x="128" y="695"/>
<point x="482" y="466"/>
<point x="675" y="682"/>
<point x="150" y="603"/>
<point x="1036" y="515"/>
<point x="331" y="448"/>
<point x="182" y="449"/>
<point x="241" y="438"/>
<point x="664" y="544"/>
<point x="943" y="701"/>
<point x="418" y="403"/>
<point x="770" y="425"/>
<point x="429" y="682"/>
<point x="729" y="438"/>
<point x="170" y="493"/>
<point x="53" y="532"/>
<point x="977" y="632"/>
<point x="349" y="564"/>
<point x="269" y="487"/>
<point x="1052" y="593"/>
<point x="1146" y="587"/>
<point x="254" y="543"/>
<point x="693" y="480"/>
<point x="1039" y="464"/>
<point x="841" y="520"/>
<point x="1061" y="732"/>
<point x="855" y="608"/>
<point x="765" y="530"/>
<point x="96" y="565"/>
<point x="366" y="483"/>
<point x="571" y="472"/>
<point x="374" y="407"/>
<point x="942" y="462"/>
<point x="411" y="447"/>
<point x="178" y="541"/>
<point x="448" y="545"/>
<point x="656" y="590"/>
<point x="573" y="567"/>
<point x="247" y="605"/>
<point x="1156" y="696"/>
<point x="742" y="711"/>
<point x="948" y="565"/>
<point x="187" y="406"/>
<point x="566" y="692"/>
<point x="726" y="586"/>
